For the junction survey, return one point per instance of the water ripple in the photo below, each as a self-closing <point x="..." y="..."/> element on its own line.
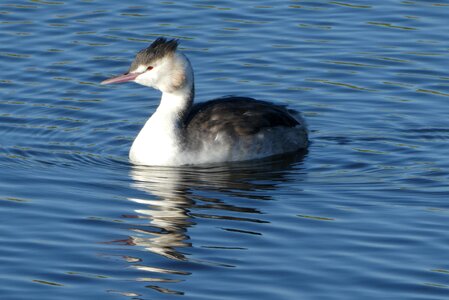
<point x="362" y="214"/>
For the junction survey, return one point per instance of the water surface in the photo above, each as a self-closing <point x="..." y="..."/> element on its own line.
<point x="363" y="214"/>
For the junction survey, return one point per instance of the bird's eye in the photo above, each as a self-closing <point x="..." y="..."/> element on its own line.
<point x="149" y="68"/>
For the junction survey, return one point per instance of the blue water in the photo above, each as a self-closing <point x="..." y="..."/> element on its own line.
<point x="364" y="214"/>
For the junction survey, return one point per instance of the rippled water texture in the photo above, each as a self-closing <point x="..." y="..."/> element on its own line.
<point x="362" y="215"/>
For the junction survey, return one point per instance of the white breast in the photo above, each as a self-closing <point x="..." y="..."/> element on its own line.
<point x="156" y="144"/>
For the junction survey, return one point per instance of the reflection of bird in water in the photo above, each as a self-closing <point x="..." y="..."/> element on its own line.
<point x="221" y="130"/>
<point x="171" y="200"/>
<point x="174" y="192"/>
<point x="175" y="197"/>
<point x="167" y="213"/>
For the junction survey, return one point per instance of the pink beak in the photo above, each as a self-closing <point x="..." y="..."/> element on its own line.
<point x="121" y="78"/>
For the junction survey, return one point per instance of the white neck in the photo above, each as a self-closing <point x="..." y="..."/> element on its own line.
<point x="160" y="140"/>
<point x="175" y="104"/>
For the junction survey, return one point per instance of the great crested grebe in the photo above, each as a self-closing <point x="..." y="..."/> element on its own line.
<point x="221" y="130"/>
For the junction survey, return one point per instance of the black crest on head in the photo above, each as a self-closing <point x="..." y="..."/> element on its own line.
<point x="157" y="50"/>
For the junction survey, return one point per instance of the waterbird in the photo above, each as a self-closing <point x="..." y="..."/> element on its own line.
<point x="226" y="129"/>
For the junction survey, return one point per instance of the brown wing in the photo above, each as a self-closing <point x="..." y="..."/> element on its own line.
<point x="234" y="116"/>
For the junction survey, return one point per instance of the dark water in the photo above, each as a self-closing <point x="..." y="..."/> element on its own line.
<point x="364" y="214"/>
